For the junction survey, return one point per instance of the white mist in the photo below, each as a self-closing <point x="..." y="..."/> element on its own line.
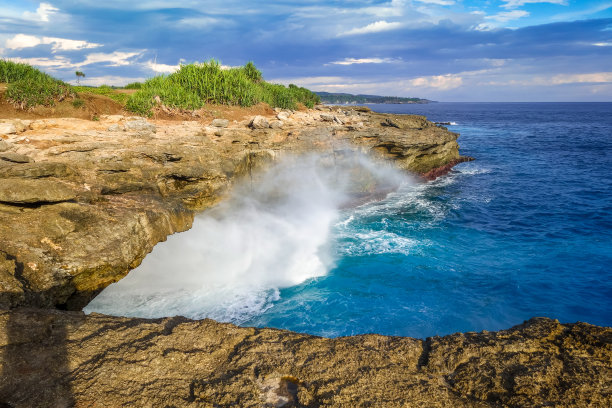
<point x="270" y="234"/>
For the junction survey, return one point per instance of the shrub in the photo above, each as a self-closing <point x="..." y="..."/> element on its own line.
<point x="29" y="87"/>
<point x="193" y="85"/>
<point x="78" y="103"/>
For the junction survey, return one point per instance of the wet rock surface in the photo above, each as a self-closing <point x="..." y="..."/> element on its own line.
<point x="53" y="358"/>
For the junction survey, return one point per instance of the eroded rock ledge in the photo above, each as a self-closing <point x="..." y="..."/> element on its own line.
<point x="54" y="358"/>
<point x="82" y="202"/>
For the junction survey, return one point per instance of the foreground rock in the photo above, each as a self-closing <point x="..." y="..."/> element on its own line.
<point x="52" y="358"/>
<point x="82" y="202"/>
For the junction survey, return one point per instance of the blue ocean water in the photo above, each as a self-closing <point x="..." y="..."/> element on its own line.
<point x="523" y="231"/>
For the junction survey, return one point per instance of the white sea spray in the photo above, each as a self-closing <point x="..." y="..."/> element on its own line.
<point x="272" y="233"/>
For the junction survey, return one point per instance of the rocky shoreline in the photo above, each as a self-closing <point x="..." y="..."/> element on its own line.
<point x="83" y="202"/>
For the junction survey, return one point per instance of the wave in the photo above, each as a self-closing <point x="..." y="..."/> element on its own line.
<point x="375" y="242"/>
<point x="271" y="234"/>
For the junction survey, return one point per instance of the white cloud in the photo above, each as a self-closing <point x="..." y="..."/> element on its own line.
<point x="63" y="44"/>
<point x="57" y="44"/>
<point x="113" y="59"/>
<point x="109" y="80"/>
<point x="603" y="44"/>
<point x="508" y="15"/>
<point x="351" y="61"/>
<point x="376" y="27"/>
<point x="596" y="77"/>
<point x="312" y="81"/>
<point x="440" y="82"/>
<point x="161" y="68"/>
<point x="518" y="3"/>
<point x="198" y="22"/>
<point x="53" y="63"/>
<point x="42" y="13"/>
<point x="22" y="41"/>
<point x="438" y="2"/>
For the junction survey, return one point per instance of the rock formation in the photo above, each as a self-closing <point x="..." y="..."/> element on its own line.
<point x="82" y="203"/>
<point x="52" y="358"/>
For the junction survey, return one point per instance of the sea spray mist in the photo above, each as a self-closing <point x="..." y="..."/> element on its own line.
<point x="273" y="232"/>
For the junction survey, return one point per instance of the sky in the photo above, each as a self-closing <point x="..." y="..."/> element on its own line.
<point x="444" y="50"/>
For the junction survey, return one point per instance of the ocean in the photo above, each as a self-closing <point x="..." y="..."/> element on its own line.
<point x="524" y="230"/>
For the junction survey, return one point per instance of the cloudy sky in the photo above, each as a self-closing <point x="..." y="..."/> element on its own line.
<point x="446" y="50"/>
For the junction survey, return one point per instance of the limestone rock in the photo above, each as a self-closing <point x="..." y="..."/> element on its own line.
<point x="3" y="146"/>
<point x="259" y="122"/>
<point x="115" y="128"/>
<point x="276" y="124"/>
<point x="7" y="128"/>
<point x="283" y="115"/>
<point x="15" y="157"/>
<point x="325" y="117"/>
<point x="11" y="290"/>
<point x="52" y="358"/>
<point x="390" y="123"/>
<point x="220" y="123"/>
<point x="38" y="170"/>
<point x="140" y="125"/>
<point x="25" y="191"/>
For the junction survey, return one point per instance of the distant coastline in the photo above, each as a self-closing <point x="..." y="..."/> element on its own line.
<point x="350" y="99"/>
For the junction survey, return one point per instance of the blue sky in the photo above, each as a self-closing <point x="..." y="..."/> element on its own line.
<point x="445" y="50"/>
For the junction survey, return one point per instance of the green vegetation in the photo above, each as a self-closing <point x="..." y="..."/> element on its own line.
<point x="345" y="98"/>
<point x="190" y="88"/>
<point x="28" y="87"/>
<point x="79" y="75"/>
<point x="194" y="85"/>
<point x="103" y="90"/>
<point x="133" y="85"/>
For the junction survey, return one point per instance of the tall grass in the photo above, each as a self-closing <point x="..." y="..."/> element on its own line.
<point x="29" y="87"/>
<point x="194" y="85"/>
<point x="133" y="85"/>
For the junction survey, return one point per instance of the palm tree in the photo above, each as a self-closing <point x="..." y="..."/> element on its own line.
<point x="79" y="74"/>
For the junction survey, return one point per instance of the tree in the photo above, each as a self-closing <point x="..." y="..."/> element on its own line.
<point x="79" y="75"/>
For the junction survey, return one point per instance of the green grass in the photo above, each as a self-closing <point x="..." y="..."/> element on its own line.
<point x="194" y="85"/>
<point x="29" y="87"/>
<point x="104" y="90"/>
<point x="133" y="85"/>
<point x="189" y="88"/>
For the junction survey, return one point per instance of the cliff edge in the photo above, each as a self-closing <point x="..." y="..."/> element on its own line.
<point x="82" y="202"/>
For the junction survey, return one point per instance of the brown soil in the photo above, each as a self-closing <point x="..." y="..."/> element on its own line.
<point x="211" y="111"/>
<point x="95" y="105"/>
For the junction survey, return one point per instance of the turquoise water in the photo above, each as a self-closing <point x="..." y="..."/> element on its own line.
<point x="523" y="231"/>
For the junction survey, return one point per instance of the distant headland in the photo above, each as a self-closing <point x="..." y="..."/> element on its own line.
<point x="347" y="99"/>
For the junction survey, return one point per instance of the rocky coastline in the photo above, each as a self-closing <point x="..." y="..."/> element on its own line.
<point x="82" y="203"/>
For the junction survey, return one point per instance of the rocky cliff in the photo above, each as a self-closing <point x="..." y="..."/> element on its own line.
<point x="82" y="202"/>
<point x="63" y="359"/>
